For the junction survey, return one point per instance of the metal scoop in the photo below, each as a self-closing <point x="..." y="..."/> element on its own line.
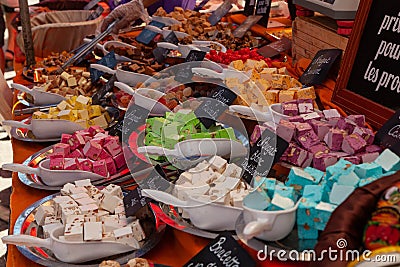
<point x="69" y="251"/>
<point x="53" y="177"/>
<point x="40" y="97"/>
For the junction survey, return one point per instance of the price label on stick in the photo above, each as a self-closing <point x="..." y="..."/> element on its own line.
<point x="389" y="135"/>
<point x="240" y="31"/>
<point x="108" y="60"/>
<point x="220" y="12"/>
<point x="171" y="38"/>
<point x="107" y="87"/>
<point x="275" y="48"/>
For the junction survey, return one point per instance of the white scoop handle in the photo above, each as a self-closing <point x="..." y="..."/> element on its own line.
<point x="251" y="111"/>
<point x="209" y="43"/>
<point x="163" y="197"/>
<point x="153" y="29"/>
<point x="255" y="228"/>
<point x="20" y="168"/>
<point x="167" y="45"/>
<point x="17" y="124"/>
<point x="124" y="87"/>
<point x="208" y="72"/>
<point x="103" y="68"/>
<point x="21" y="87"/>
<point x="156" y="150"/>
<point x="27" y="240"/>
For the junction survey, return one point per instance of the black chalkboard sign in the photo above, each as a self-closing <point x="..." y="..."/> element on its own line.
<point x="369" y="81"/>
<point x="156" y="180"/>
<point x="146" y="36"/>
<point x="116" y="129"/>
<point x="220" y="12"/>
<point x="318" y="70"/>
<point x="389" y="135"/>
<point x="184" y="73"/>
<point x="171" y="38"/>
<point x="263" y="154"/>
<point x="258" y="7"/>
<point x="134" y="117"/>
<point x="224" y="250"/>
<point x="195" y="55"/>
<point x="213" y="107"/>
<point x="107" y="87"/>
<point x="108" y="60"/>
<point x="275" y="48"/>
<point x="160" y="54"/>
<point x="134" y="201"/>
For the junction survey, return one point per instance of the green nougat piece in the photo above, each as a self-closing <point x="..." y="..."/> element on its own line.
<point x="181" y="115"/>
<point x="188" y="129"/>
<point x="171" y="141"/>
<point x="200" y="135"/>
<point x="158" y="125"/>
<point x="149" y="124"/>
<point x="151" y="137"/>
<point x="228" y="133"/>
<point x="171" y="129"/>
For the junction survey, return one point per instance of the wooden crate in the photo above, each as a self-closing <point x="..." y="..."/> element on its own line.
<point x="311" y="34"/>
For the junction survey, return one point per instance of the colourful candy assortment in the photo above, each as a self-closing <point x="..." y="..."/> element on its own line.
<point x="230" y="55"/>
<point x="90" y="150"/>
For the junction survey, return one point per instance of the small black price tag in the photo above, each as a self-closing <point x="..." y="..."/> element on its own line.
<point x="146" y="36"/>
<point x="155" y="180"/>
<point x="134" y="201"/>
<point x="389" y="135"/>
<point x="224" y="250"/>
<point x="160" y="54"/>
<point x="263" y="154"/>
<point x="195" y="55"/>
<point x="275" y="48"/>
<point x="107" y="87"/>
<point x="171" y="38"/>
<point x="116" y="129"/>
<point x="318" y="70"/>
<point x="108" y="61"/>
<point x="220" y="12"/>
<point x="213" y="107"/>
<point x="134" y="117"/>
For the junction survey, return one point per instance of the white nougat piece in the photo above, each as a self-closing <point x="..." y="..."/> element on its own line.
<point x="92" y="231"/>
<point x="85" y="201"/>
<point x="89" y="209"/>
<point x="119" y="210"/>
<point x="98" y="198"/>
<point x="48" y="228"/>
<point x="66" y="211"/>
<point x="184" y="177"/>
<point x="233" y="170"/>
<point x="57" y="201"/>
<point x="108" y="237"/>
<point x="218" y="164"/>
<point x="229" y="183"/>
<point x="137" y="230"/>
<point x="92" y="190"/>
<point x="202" y="166"/>
<point x="83" y="183"/>
<point x="202" y="178"/>
<point x="74" y="219"/>
<point x="237" y="197"/>
<point x="73" y="232"/>
<point x="90" y="218"/>
<point x="77" y="190"/>
<point x="282" y="202"/>
<point x="124" y="235"/>
<point x="43" y="212"/>
<point x="113" y="190"/>
<point x="110" y="223"/>
<point x="110" y="202"/>
<point x="100" y="213"/>
<point x="51" y="219"/>
<point x="66" y="190"/>
<point x="79" y="196"/>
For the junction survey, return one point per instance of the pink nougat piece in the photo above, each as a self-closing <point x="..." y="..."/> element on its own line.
<point x="61" y="148"/>
<point x="120" y="160"/>
<point x="93" y="130"/>
<point x="373" y="148"/>
<point x="257" y="132"/>
<point x="285" y="130"/>
<point x="358" y="119"/>
<point x="290" y="109"/>
<point x="320" y="128"/>
<point x="368" y="157"/>
<point x="347" y="125"/>
<point x="57" y="164"/>
<point x="296" y="119"/>
<point x="322" y="161"/>
<point x="305" y="106"/>
<point x="353" y="144"/>
<point x="112" y="169"/>
<point x="334" y="139"/>
<point x="296" y="155"/>
<point x="365" y="133"/>
<point x="104" y="154"/>
<point x="353" y="159"/>
<point x="76" y="141"/>
<point x="307" y="139"/>
<point x="92" y="150"/>
<point x="76" y="154"/>
<point x="112" y="146"/>
<point x="70" y="164"/>
<point x="65" y="138"/>
<point x="302" y="128"/>
<point x="55" y="155"/>
<point x="100" y="168"/>
<point x="85" y="165"/>
<point x="319" y="148"/>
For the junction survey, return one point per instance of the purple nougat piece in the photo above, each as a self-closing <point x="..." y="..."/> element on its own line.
<point x="320" y="128"/>
<point x="334" y="139"/>
<point x="319" y="148"/>
<point x="296" y="155"/>
<point x="308" y="161"/>
<point x="285" y="130"/>
<point x="302" y="128"/>
<point x="353" y="144"/>
<point x="347" y="125"/>
<point x="307" y="139"/>
<point x="353" y="159"/>
<point x="311" y="116"/>
<point x="331" y="113"/>
<point x="290" y="109"/>
<point x="368" y="157"/>
<point x="257" y="132"/>
<point x="322" y="161"/>
<point x="365" y="133"/>
<point x="358" y="119"/>
<point x="296" y="119"/>
<point x="305" y="106"/>
<point x="373" y="148"/>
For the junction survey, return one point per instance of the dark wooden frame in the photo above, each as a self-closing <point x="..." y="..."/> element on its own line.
<point x="376" y="114"/>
